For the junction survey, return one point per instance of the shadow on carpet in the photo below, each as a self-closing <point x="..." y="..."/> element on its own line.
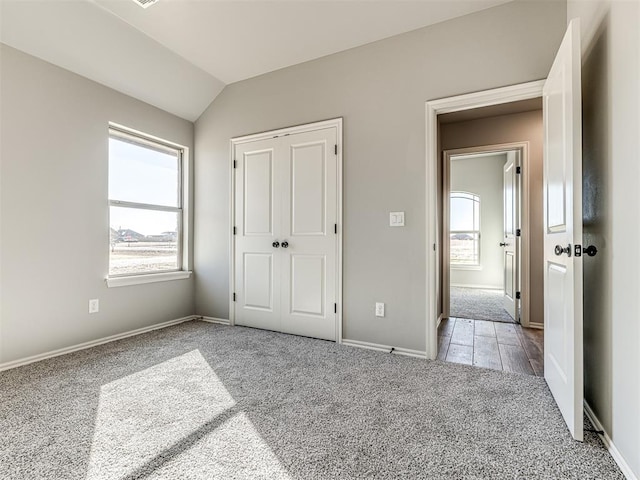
<point x="203" y="401"/>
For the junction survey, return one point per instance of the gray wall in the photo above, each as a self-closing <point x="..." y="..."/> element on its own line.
<point x="611" y="174"/>
<point x="380" y="90"/>
<point x="483" y="176"/>
<point x="517" y="127"/>
<point x="54" y="211"/>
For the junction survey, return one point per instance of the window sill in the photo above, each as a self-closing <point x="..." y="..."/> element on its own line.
<point x="466" y="267"/>
<point x="148" y="278"/>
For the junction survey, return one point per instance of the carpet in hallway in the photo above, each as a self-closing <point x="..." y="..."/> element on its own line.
<point x="478" y="304"/>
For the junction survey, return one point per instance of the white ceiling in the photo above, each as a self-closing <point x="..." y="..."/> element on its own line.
<point x="152" y="53"/>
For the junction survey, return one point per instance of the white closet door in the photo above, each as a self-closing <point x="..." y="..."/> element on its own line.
<point x="285" y="244"/>
<point x="309" y="216"/>
<point x="257" y="222"/>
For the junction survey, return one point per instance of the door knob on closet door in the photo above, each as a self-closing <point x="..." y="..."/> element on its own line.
<point x="275" y="244"/>
<point x="285" y="244"/>
<point x="502" y="244"/>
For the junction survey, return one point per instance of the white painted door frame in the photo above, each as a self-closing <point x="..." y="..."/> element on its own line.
<point x="524" y="219"/>
<point x="434" y="108"/>
<point x="309" y="127"/>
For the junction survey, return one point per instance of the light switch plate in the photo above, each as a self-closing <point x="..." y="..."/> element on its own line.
<point x="94" y="305"/>
<point x="396" y="219"/>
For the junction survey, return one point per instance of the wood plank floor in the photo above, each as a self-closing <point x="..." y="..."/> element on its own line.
<point x="500" y="346"/>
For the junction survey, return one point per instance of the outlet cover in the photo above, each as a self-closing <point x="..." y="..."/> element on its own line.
<point x="379" y="309"/>
<point x="94" y="305"/>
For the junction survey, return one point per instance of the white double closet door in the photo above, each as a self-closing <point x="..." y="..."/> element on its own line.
<point x="285" y="245"/>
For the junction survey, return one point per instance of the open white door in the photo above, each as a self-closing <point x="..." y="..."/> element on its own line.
<point x="562" y="178"/>
<point x="509" y="239"/>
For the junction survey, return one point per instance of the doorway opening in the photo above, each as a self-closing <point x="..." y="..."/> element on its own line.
<point x="483" y="246"/>
<point x="490" y="220"/>
<point x="561" y="233"/>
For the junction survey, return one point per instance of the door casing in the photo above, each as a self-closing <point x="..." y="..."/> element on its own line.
<point x="309" y="127"/>
<point x="433" y="108"/>
<point x="523" y="149"/>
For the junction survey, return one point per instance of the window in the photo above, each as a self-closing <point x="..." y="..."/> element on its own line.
<point x="145" y="205"/>
<point x="464" y="229"/>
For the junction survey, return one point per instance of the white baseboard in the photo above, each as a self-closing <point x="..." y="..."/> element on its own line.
<point x="93" y="343"/>
<point x="221" y="321"/>
<point x="536" y="325"/>
<point x="385" y="348"/>
<point x="615" y="453"/>
<point x="438" y="322"/>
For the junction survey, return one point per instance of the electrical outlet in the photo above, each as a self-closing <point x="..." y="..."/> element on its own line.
<point x="94" y="305"/>
<point x="379" y="309"/>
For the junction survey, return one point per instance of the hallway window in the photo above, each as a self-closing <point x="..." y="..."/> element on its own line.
<point x="464" y="229"/>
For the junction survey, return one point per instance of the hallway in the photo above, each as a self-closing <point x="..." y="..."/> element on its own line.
<point x="479" y="304"/>
<point x="499" y="346"/>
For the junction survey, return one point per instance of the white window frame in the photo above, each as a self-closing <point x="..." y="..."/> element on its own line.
<point x="181" y="272"/>
<point x="474" y="198"/>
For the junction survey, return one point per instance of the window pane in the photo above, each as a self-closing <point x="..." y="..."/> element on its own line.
<point x="143" y="175"/>
<point x="465" y="248"/>
<point x="462" y="214"/>
<point x="142" y="241"/>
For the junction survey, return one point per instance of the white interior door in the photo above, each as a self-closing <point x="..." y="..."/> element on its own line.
<point x="257" y="224"/>
<point x="562" y="178"/>
<point x="309" y="218"/>
<point x="509" y="242"/>
<point x="286" y="247"/>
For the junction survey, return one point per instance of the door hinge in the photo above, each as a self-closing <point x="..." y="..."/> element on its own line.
<point x="517" y="295"/>
<point x="234" y="296"/>
<point x="577" y="250"/>
<point x="335" y="149"/>
<point x="335" y="228"/>
<point x="235" y="164"/>
<point x="518" y="232"/>
<point x="235" y="230"/>
<point x="518" y="170"/>
<point x="335" y="308"/>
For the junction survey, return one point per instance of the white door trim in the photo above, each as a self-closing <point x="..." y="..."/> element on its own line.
<point x="524" y="220"/>
<point x="309" y="127"/>
<point x="433" y="108"/>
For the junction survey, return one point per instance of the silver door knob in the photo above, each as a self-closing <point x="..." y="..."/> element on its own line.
<point x="559" y="250"/>
<point x="285" y="244"/>
<point x="275" y="244"/>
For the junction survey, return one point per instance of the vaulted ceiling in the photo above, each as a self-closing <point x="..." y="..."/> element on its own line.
<point x="179" y="54"/>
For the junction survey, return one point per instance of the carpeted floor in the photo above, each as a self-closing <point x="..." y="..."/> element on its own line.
<point x="478" y="304"/>
<point x="203" y="401"/>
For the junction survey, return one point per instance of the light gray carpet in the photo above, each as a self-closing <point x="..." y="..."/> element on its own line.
<point x="478" y="304"/>
<point x="203" y="401"/>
